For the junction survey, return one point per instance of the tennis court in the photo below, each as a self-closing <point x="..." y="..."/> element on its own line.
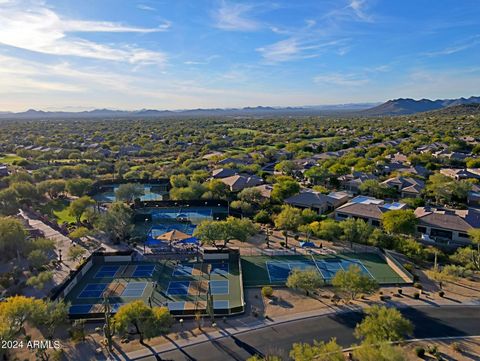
<point x="134" y="289"/>
<point x="181" y="286"/>
<point x="274" y="270"/>
<point x="107" y="272"/>
<point x="144" y="271"/>
<point x="93" y="290"/>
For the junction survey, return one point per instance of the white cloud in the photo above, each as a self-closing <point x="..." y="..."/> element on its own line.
<point x="233" y="17"/>
<point x="146" y="7"/>
<point x="358" y="7"/>
<point x="295" y="48"/>
<point x="40" y="29"/>
<point x="456" y="48"/>
<point x="341" y="79"/>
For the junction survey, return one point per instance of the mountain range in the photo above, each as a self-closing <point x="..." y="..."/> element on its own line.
<point x="404" y="106"/>
<point x="401" y="106"/>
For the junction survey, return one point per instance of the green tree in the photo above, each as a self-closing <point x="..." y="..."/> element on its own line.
<point x="383" y="324"/>
<point x="75" y="253"/>
<point x="289" y="219"/>
<point x="117" y="222"/>
<point x="52" y="187"/>
<point x="128" y="192"/>
<point x="78" y="207"/>
<point x="40" y="280"/>
<point x="352" y="282"/>
<point x="37" y="259"/>
<point x="382" y="352"/>
<point x="8" y="202"/>
<point x="284" y="189"/>
<point x="78" y="187"/>
<point x="16" y="311"/>
<point x="262" y="217"/>
<point x="355" y="231"/>
<point x="251" y="195"/>
<point x="13" y="239"/>
<point x="467" y="257"/>
<point x="307" y="280"/>
<point x="286" y="167"/>
<point x="319" y="351"/>
<point x="147" y="322"/>
<point x="327" y="229"/>
<point x="399" y="221"/>
<point x="26" y="192"/>
<point x="215" y="189"/>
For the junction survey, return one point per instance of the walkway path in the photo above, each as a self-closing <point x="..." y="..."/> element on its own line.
<point x="62" y="243"/>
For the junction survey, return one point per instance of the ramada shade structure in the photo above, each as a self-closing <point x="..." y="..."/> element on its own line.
<point x="173" y="235"/>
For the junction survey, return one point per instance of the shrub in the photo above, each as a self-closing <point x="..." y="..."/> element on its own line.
<point x="416" y="295"/>
<point x="418" y="285"/>
<point x="267" y="291"/>
<point x="441" y="293"/>
<point x="432" y="349"/>
<point x="420" y="352"/>
<point x="409" y="267"/>
<point x="456" y="346"/>
<point x="385" y="298"/>
<point x="282" y="244"/>
<point x="400" y="291"/>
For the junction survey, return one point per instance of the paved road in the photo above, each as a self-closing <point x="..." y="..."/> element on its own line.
<point x="429" y="322"/>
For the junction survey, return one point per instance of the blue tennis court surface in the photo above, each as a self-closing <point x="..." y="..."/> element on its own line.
<point x="221" y="304"/>
<point x="176" y="306"/>
<point x="279" y="271"/>
<point x="79" y="309"/>
<point x="220" y="268"/>
<point x="178" y="288"/>
<point x="219" y="287"/>
<point x="134" y="289"/>
<point x="144" y="271"/>
<point x="107" y="272"/>
<point x="328" y="268"/>
<point x="183" y="270"/>
<point x="93" y="290"/>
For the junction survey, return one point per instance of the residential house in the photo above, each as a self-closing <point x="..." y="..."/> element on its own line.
<point x="461" y="173"/>
<point x="352" y="182"/>
<point x="238" y="182"/>
<point x="406" y="186"/>
<point x="265" y="190"/>
<point x="236" y="161"/>
<point x="319" y="202"/>
<point x="223" y="173"/>
<point x="3" y="170"/>
<point x="451" y="225"/>
<point x="367" y="208"/>
<point x="473" y="196"/>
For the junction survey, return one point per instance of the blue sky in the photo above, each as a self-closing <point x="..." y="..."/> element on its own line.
<point x="129" y="54"/>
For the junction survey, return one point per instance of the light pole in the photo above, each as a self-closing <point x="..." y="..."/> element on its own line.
<point x="210" y="296"/>
<point x="145" y="241"/>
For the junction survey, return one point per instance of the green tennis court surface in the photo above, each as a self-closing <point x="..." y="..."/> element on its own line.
<point x="266" y="270"/>
<point x="182" y="287"/>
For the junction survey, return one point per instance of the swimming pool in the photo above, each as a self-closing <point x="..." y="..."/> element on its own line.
<point x="152" y="192"/>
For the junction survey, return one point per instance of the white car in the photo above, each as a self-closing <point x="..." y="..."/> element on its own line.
<point x="427" y="238"/>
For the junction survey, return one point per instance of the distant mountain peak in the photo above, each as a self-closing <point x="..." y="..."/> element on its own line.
<point x="405" y="106"/>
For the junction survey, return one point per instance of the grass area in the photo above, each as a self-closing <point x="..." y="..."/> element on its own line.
<point x="59" y="209"/>
<point x="10" y="158"/>
<point x="255" y="271"/>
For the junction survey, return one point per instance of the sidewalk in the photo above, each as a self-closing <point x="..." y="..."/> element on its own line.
<point x="62" y="244"/>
